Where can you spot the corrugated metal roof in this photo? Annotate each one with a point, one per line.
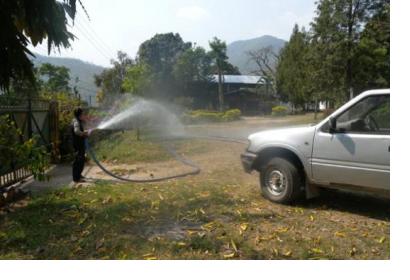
(239, 79)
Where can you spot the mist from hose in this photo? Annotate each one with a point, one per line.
(137, 112)
(133, 113)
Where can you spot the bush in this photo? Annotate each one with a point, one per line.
(203, 116)
(66, 103)
(16, 154)
(279, 111)
(232, 115)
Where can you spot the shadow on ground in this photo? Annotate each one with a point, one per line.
(360, 204)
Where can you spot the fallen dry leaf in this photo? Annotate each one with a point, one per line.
(244, 226)
(282, 229)
(204, 194)
(234, 246)
(181, 244)
(126, 220)
(276, 251)
(99, 244)
(288, 253)
(209, 226)
(317, 250)
(108, 199)
(229, 256)
(340, 234)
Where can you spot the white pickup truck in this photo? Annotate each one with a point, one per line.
(350, 149)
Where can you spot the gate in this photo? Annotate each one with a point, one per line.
(33, 117)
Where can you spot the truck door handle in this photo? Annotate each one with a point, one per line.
(389, 149)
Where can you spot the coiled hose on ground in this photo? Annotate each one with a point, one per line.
(164, 142)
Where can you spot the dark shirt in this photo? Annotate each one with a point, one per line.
(77, 131)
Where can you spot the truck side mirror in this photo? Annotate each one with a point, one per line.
(332, 124)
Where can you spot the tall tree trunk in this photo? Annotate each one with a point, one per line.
(220, 91)
(349, 70)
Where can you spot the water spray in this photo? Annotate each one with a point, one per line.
(143, 109)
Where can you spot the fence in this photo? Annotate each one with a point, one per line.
(34, 118)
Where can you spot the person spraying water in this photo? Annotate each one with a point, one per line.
(79, 138)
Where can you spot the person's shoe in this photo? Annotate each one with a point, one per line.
(80, 181)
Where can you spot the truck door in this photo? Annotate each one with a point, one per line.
(357, 152)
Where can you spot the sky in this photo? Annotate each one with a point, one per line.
(125, 24)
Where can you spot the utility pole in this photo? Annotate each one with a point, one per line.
(29, 115)
(220, 90)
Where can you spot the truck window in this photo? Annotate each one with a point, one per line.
(371, 115)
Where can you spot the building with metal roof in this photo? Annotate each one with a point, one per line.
(239, 79)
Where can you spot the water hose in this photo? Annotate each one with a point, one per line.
(195, 168)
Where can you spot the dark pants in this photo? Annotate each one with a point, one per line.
(78, 164)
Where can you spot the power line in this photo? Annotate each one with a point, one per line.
(92, 43)
(86, 23)
(92, 37)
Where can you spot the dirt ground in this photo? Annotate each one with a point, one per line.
(217, 214)
(357, 223)
(219, 155)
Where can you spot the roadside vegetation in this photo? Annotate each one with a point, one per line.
(279, 111)
(205, 116)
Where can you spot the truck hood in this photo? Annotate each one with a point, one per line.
(298, 138)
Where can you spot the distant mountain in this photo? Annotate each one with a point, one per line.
(237, 51)
(78, 68)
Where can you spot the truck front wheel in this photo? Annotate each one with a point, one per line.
(280, 181)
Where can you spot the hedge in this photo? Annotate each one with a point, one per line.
(203, 116)
(279, 111)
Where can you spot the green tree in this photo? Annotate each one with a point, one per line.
(137, 79)
(293, 69)
(30, 21)
(160, 54)
(218, 53)
(110, 81)
(373, 53)
(54, 78)
(227, 69)
(336, 33)
(192, 66)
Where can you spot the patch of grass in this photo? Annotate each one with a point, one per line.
(124, 147)
(218, 214)
(181, 220)
(298, 119)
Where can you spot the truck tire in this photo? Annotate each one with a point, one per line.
(280, 181)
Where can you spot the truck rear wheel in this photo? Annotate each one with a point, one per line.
(280, 181)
